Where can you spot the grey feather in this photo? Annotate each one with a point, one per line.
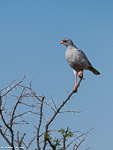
(77, 58)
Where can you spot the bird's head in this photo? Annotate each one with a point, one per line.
(67, 42)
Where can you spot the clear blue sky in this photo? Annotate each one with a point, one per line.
(30, 35)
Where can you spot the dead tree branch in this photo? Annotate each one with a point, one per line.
(81, 135)
(58, 110)
(34, 105)
(39, 125)
(16, 85)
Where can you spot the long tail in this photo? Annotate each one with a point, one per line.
(94, 70)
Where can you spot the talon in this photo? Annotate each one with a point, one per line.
(80, 74)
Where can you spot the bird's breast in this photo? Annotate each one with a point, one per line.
(72, 58)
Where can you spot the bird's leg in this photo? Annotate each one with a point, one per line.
(80, 74)
(75, 87)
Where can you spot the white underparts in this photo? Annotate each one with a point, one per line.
(74, 71)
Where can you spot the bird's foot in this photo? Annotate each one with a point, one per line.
(80, 74)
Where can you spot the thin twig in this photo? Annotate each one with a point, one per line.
(53, 102)
(83, 134)
(70, 111)
(13, 87)
(30, 142)
(24, 113)
(7, 86)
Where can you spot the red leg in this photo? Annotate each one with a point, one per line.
(75, 87)
(80, 74)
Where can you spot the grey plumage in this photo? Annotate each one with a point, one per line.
(77, 58)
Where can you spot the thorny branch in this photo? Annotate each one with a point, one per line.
(26, 92)
(58, 110)
(8, 125)
(16, 85)
(81, 135)
(10, 129)
(39, 125)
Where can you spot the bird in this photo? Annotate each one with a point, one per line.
(77, 60)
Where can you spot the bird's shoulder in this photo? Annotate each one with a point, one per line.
(80, 52)
(83, 57)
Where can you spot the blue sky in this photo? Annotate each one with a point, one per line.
(30, 35)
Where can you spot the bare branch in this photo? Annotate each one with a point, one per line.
(10, 129)
(70, 111)
(20, 141)
(53, 102)
(43, 101)
(30, 142)
(34, 103)
(7, 86)
(15, 107)
(37, 97)
(5, 138)
(83, 134)
(58, 110)
(13, 87)
(40, 121)
(24, 113)
(77, 146)
(32, 106)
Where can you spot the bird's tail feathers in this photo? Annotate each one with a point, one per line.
(94, 70)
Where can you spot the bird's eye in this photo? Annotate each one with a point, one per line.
(64, 41)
